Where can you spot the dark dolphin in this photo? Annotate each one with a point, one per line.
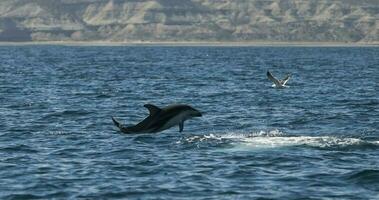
(161, 119)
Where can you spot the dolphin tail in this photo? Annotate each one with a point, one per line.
(117, 123)
(120, 126)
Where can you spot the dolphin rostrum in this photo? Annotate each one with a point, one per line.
(161, 119)
(278, 83)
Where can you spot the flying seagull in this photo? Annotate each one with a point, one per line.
(278, 83)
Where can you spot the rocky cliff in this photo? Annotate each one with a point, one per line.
(190, 20)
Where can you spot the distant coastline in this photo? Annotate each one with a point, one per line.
(188, 43)
(191, 22)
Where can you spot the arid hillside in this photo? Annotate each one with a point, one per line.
(190, 20)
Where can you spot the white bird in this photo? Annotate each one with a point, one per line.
(278, 83)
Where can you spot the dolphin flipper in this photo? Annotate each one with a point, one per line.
(181, 126)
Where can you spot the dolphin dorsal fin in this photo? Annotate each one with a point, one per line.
(152, 109)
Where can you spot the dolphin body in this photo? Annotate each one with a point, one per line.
(161, 119)
(278, 83)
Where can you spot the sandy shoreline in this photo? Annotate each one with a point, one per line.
(231, 44)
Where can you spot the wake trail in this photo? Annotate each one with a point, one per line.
(277, 139)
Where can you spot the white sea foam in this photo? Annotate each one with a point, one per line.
(324, 141)
(276, 139)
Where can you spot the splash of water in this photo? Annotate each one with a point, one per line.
(277, 139)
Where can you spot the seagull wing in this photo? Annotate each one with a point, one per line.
(273, 79)
(288, 77)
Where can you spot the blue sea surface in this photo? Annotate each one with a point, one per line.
(317, 139)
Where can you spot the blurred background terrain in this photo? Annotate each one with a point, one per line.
(190, 20)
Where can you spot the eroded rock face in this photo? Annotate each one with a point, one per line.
(190, 20)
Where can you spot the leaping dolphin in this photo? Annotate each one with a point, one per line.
(278, 83)
(161, 119)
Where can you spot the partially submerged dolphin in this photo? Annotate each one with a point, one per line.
(278, 83)
(161, 119)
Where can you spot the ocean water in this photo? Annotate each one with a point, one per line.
(317, 139)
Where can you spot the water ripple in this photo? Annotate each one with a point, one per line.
(317, 139)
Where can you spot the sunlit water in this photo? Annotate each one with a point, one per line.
(316, 139)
